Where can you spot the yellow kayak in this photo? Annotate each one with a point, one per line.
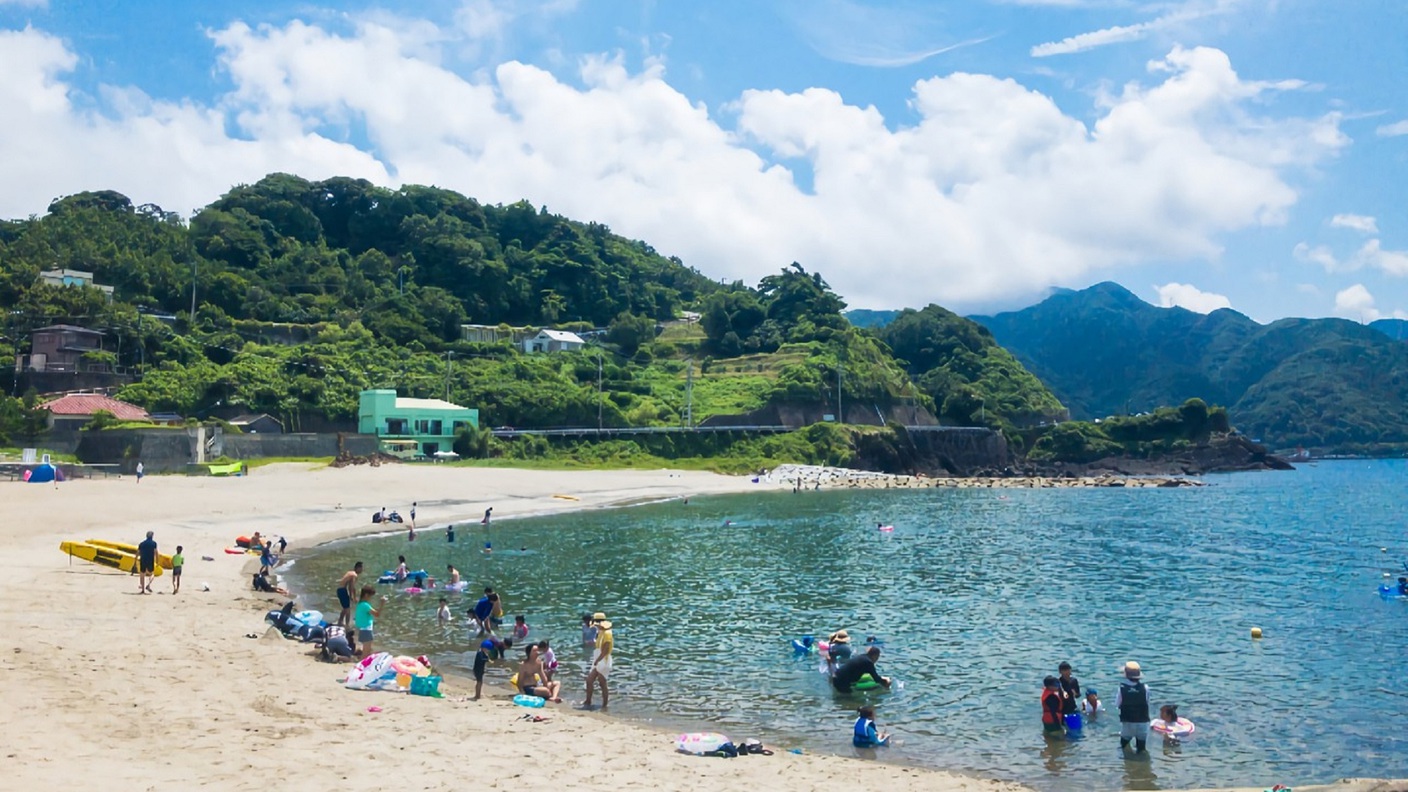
(162, 559)
(105, 556)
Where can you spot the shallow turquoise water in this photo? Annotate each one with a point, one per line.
(977, 595)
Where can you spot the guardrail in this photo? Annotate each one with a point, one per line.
(648, 430)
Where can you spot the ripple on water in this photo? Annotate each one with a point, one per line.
(978, 595)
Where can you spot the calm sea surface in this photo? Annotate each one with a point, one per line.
(977, 595)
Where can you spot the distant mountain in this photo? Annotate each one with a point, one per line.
(861, 317)
(1397, 329)
(1314, 382)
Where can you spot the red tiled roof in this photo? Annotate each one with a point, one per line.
(89, 403)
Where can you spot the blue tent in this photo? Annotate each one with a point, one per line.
(43, 474)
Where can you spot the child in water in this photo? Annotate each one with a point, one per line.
(865, 734)
(443, 615)
(1091, 706)
(520, 628)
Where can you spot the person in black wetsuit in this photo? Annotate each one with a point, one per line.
(853, 670)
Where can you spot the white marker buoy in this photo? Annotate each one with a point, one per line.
(1256, 632)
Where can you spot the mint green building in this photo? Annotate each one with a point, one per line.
(412, 427)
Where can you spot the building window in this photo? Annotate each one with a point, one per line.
(437, 428)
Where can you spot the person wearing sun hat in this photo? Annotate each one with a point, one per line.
(601, 659)
(1132, 703)
(838, 650)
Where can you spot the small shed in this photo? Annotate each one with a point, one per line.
(263, 423)
(553, 341)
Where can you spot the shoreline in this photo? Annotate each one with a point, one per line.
(171, 677)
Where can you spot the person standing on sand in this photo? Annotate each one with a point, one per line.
(413, 514)
(365, 618)
(345, 588)
(601, 660)
(146, 564)
(177, 561)
(1132, 703)
(141, 471)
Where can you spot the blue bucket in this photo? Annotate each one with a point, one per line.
(1073, 721)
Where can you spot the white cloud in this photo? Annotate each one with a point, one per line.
(1362, 223)
(1185, 295)
(1182, 14)
(1093, 39)
(1394, 262)
(864, 33)
(994, 193)
(1358, 304)
(1396, 129)
(1371, 254)
(1320, 254)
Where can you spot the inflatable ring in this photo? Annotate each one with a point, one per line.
(1177, 730)
(524, 700)
(865, 683)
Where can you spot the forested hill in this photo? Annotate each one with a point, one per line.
(1326, 383)
(289, 296)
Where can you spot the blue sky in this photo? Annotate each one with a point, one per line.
(975, 154)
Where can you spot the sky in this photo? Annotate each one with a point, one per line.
(976, 154)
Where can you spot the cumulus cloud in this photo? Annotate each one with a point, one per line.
(1362, 223)
(994, 193)
(1186, 295)
(1357, 303)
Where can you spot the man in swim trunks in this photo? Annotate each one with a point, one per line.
(346, 587)
(533, 678)
(601, 660)
(146, 564)
(853, 670)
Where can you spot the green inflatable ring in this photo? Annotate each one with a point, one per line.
(865, 683)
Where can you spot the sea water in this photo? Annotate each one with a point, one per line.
(976, 595)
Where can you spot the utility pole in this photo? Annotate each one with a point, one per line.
(840, 410)
(449, 356)
(598, 390)
(689, 395)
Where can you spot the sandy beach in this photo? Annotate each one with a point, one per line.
(109, 689)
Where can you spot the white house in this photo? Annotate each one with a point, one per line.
(553, 341)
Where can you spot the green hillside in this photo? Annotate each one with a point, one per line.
(971, 380)
(1325, 383)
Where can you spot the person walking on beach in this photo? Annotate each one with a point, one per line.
(141, 471)
(345, 588)
(413, 515)
(177, 561)
(601, 660)
(146, 564)
(488, 514)
(1132, 702)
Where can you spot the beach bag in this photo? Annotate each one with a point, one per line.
(425, 686)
